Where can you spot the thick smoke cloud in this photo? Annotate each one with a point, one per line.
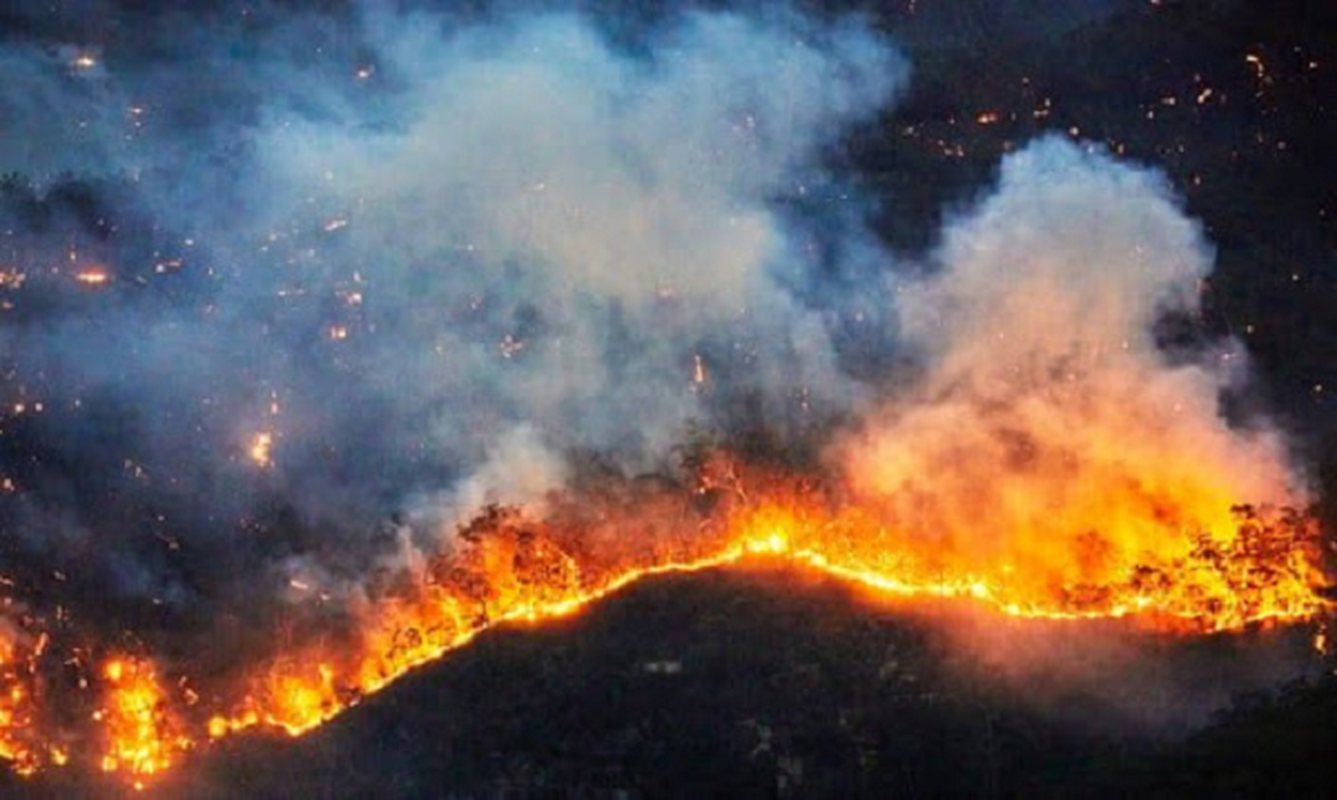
(378, 264)
(602, 220)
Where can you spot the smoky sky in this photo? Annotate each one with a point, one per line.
(426, 255)
(433, 257)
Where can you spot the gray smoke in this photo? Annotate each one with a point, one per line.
(385, 263)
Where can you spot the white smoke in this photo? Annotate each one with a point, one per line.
(558, 226)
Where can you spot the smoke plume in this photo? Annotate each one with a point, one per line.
(1046, 403)
(379, 265)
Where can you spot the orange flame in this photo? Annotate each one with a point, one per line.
(1184, 572)
(516, 570)
(143, 734)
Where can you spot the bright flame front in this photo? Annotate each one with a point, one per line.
(1217, 573)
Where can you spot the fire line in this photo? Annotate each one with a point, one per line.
(510, 569)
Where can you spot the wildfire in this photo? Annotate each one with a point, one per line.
(510, 572)
(1185, 574)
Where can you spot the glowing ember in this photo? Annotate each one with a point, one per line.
(260, 451)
